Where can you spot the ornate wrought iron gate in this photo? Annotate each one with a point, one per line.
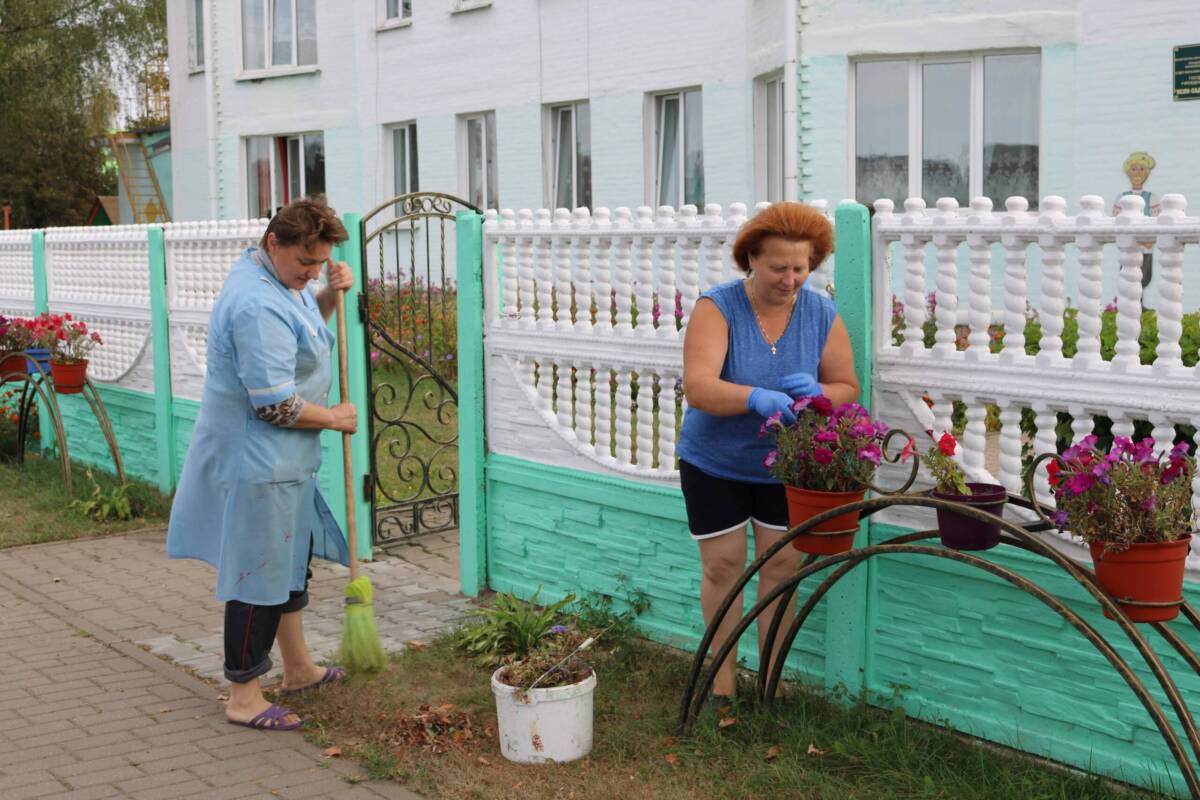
(409, 305)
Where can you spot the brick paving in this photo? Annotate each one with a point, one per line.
(87, 712)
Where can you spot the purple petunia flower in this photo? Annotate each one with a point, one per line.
(826, 436)
(863, 428)
(870, 453)
(800, 403)
(558, 629)
(1059, 517)
(1078, 484)
(1149, 503)
(823, 455)
(770, 459)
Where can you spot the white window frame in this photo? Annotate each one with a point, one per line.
(388, 22)
(464, 160)
(461, 6)
(195, 34)
(268, 69)
(915, 107)
(654, 146)
(391, 130)
(274, 168)
(550, 150)
(763, 86)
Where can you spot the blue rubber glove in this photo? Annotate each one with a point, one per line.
(765, 402)
(801, 384)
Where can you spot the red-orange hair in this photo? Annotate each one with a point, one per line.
(795, 222)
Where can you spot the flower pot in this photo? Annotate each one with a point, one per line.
(543, 725)
(69, 378)
(961, 532)
(38, 357)
(804, 504)
(13, 364)
(1148, 572)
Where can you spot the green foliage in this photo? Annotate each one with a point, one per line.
(115, 504)
(596, 612)
(558, 660)
(948, 475)
(512, 628)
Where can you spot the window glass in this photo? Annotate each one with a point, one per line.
(475, 161)
(306, 29)
(314, 164)
(881, 131)
(400, 161)
(668, 150)
(258, 176)
(946, 131)
(254, 27)
(564, 196)
(413, 173)
(293, 186)
(693, 148)
(1011, 103)
(281, 32)
(197, 32)
(492, 191)
(583, 154)
(393, 9)
(774, 122)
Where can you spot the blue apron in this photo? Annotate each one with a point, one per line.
(247, 501)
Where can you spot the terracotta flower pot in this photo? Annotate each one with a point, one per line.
(1148, 572)
(960, 532)
(69, 378)
(804, 504)
(13, 364)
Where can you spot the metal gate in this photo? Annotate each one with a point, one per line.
(409, 305)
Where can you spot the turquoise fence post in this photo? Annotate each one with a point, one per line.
(848, 622)
(41, 304)
(350, 251)
(472, 519)
(160, 335)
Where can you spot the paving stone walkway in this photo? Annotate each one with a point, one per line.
(87, 712)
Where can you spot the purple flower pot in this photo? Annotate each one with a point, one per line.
(965, 533)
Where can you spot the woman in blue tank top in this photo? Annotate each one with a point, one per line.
(753, 345)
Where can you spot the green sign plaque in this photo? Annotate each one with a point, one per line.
(1186, 64)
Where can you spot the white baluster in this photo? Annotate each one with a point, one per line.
(664, 245)
(508, 266)
(1091, 286)
(643, 270)
(561, 249)
(1082, 423)
(1010, 447)
(914, 279)
(714, 256)
(1014, 281)
(1044, 441)
(666, 418)
(689, 263)
(975, 435)
(1122, 425)
(980, 284)
(602, 271)
(1163, 432)
(545, 383)
(1170, 288)
(736, 218)
(943, 410)
(623, 271)
(543, 270)
(1053, 256)
(945, 247)
(645, 419)
(604, 403)
(564, 395)
(624, 416)
(581, 223)
(1129, 285)
(585, 409)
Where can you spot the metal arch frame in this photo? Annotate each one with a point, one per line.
(34, 387)
(410, 514)
(1019, 537)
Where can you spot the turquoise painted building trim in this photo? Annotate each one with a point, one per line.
(472, 516)
(847, 629)
(41, 304)
(164, 419)
(350, 251)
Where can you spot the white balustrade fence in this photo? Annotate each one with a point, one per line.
(585, 319)
(16, 274)
(1051, 385)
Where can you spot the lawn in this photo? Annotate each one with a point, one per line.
(428, 721)
(38, 509)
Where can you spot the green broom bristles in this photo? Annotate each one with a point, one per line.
(361, 650)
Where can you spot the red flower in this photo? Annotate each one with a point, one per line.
(947, 444)
(1052, 470)
(822, 406)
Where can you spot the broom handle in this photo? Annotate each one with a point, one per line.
(347, 464)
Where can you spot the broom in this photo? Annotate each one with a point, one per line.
(360, 650)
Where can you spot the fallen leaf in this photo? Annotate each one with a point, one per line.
(333, 752)
(484, 761)
(668, 741)
(773, 752)
(164, 710)
(727, 722)
(222, 698)
(413, 644)
(671, 759)
(813, 750)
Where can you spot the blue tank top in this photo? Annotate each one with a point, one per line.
(730, 447)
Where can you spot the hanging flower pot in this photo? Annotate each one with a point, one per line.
(960, 532)
(832, 536)
(1148, 572)
(13, 364)
(69, 378)
(39, 357)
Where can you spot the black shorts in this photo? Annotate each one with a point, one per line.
(716, 506)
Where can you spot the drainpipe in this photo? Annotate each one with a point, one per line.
(210, 83)
(791, 139)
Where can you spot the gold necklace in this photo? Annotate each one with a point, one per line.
(758, 319)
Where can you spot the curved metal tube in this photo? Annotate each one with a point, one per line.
(101, 415)
(35, 387)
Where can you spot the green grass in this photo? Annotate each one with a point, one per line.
(867, 753)
(37, 507)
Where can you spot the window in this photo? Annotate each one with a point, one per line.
(769, 138)
(678, 149)
(404, 159)
(195, 28)
(948, 126)
(397, 9)
(479, 137)
(280, 169)
(570, 156)
(278, 33)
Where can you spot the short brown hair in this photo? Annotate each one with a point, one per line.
(795, 222)
(304, 221)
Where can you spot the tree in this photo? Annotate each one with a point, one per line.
(58, 60)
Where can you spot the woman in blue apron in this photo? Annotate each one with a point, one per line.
(248, 501)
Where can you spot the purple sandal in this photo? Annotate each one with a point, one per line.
(332, 675)
(271, 720)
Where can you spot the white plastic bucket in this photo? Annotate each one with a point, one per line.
(542, 725)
